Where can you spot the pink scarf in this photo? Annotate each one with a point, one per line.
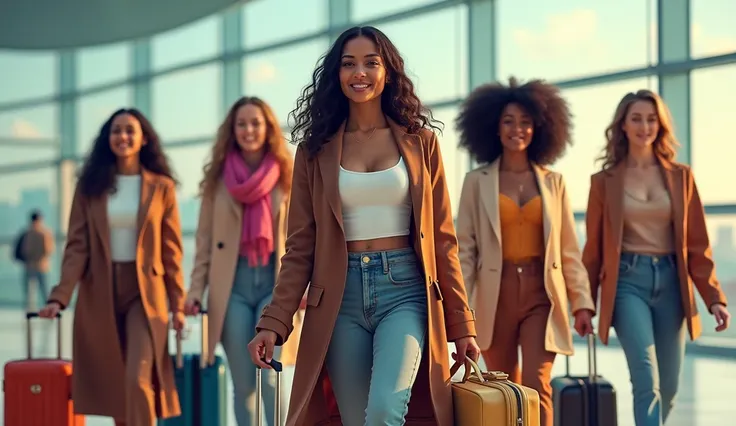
(253, 190)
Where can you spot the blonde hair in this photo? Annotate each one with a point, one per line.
(617, 146)
(275, 143)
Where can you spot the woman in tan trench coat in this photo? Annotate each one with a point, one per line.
(124, 248)
(237, 289)
(370, 226)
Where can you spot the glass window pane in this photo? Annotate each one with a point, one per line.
(187, 261)
(188, 162)
(436, 76)
(592, 108)
(712, 31)
(713, 101)
(188, 43)
(30, 153)
(11, 292)
(34, 124)
(365, 10)
(565, 39)
(27, 75)
(456, 161)
(103, 64)
(22, 192)
(278, 76)
(93, 110)
(293, 18)
(186, 104)
(721, 231)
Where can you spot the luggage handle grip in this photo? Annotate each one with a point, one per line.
(29, 333)
(278, 367)
(592, 359)
(203, 358)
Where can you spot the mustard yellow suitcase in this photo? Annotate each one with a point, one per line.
(490, 399)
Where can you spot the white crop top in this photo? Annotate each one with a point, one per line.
(375, 204)
(122, 215)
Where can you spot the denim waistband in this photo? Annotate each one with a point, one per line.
(379, 258)
(649, 259)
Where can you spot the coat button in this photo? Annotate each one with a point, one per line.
(220, 245)
(554, 265)
(421, 235)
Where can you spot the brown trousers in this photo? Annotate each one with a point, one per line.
(137, 345)
(521, 320)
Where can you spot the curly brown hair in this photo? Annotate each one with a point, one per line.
(323, 107)
(617, 146)
(480, 115)
(225, 142)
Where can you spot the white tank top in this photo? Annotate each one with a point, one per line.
(375, 204)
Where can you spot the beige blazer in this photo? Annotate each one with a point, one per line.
(479, 237)
(216, 257)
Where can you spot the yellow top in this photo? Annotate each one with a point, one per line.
(522, 229)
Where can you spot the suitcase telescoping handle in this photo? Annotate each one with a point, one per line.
(592, 360)
(29, 334)
(278, 367)
(205, 338)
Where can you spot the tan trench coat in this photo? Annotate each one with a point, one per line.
(316, 252)
(217, 243)
(98, 383)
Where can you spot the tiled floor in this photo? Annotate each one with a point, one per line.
(703, 400)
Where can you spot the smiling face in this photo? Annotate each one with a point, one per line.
(641, 124)
(362, 71)
(516, 128)
(250, 128)
(126, 136)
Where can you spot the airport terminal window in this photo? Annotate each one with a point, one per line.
(103, 64)
(365, 10)
(188, 43)
(93, 110)
(22, 192)
(566, 39)
(187, 104)
(188, 162)
(32, 124)
(592, 108)
(27, 75)
(293, 18)
(11, 155)
(278, 76)
(713, 101)
(11, 275)
(721, 229)
(437, 61)
(456, 161)
(711, 30)
(190, 246)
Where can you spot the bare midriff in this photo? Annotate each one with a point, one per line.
(379, 244)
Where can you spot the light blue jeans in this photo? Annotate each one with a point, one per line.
(650, 324)
(379, 337)
(252, 290)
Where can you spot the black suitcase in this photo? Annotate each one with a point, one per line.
(584, 400)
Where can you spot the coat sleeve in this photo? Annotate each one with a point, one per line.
(576, 276)
(459, 318)
(593, 249)
(75, 259)
(203, 250)
(298, 261)
(171, 251)
(467, 216)
(700, 263)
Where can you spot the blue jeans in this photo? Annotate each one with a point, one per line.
(379, 337)
(650, 324)
(252, 290)
(41, 289)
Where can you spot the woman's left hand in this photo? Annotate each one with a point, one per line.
(179, 321)
(466, 346)
(584, 322)
(722, 316)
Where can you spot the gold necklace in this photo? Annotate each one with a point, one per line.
(369, 137)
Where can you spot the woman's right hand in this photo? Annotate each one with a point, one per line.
(50, 310)
(191, 308)
(261, 348)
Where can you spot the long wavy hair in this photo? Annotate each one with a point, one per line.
(226, 142)
(323, 107)
(617, 145)
(98, 174)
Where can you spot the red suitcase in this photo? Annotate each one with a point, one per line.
(38, 391)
